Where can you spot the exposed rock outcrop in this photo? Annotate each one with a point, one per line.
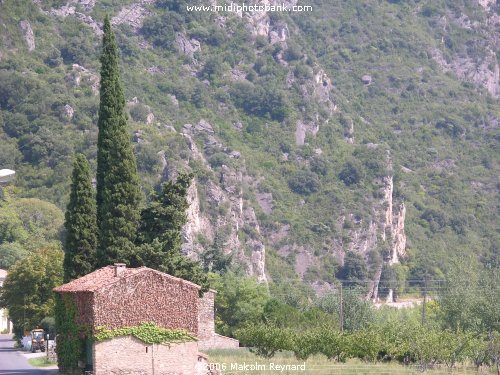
(187, 46)
(29, 37)
(227, 212)
(78, 72)
(259, 23)
(366, 79)
(476, 72)
(399, 236)
(386, 228)
(486, 4)
(349, 131)
(196, 223)
(132, 15)
(481, 66)
(265, 201)
(70, 10)
(279, 33)
(67, 112)
(87, 5)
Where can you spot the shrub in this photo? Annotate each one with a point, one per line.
(351, 173)
(304, 182)
(319, 166)
(354, 267)
(139, 112)
(266, 340)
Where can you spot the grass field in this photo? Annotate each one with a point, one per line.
(317, 365)
(40, 362)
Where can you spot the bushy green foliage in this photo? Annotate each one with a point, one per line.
(304, 182)
(159, 240)
(30, 222)
(266, 340)
(26, 225)
(71, 336)
(354, 268)
(239, 302)
(265, 101)
(404, 342)
(27, 291)
(147, 332)
(358, 313)
(351, 173)
(139, 112)
(468, 300)
(214, 258)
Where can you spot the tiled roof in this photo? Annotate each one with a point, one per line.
(106, 276)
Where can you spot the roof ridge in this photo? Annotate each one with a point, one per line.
(101, 278)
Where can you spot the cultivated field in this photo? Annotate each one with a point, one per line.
(317, 365)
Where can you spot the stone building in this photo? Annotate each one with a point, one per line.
(207, 338)
(5, 323)
(117, 296)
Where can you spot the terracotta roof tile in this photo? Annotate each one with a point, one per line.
(106, 276)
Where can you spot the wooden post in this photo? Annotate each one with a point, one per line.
(341, 312)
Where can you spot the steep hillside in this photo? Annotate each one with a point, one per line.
(360, 127)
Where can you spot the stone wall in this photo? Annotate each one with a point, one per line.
(115, 357)
(207, 338)
(206, 323)
(148, 296)
(219, 342)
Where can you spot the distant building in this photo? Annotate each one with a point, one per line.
(5, 323)
(117, 296)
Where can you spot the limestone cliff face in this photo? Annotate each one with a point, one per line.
(399, 236)
(217, 208)
(196, 224)
(386, 229)
(482, 67)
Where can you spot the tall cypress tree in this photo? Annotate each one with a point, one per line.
(118, 192)
(80, 223)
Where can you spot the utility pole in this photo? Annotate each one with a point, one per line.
(24, 314)
(341, 310)
(425, 300)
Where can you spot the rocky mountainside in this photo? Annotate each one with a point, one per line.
(360, 127)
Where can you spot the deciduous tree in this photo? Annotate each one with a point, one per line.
(27, 291)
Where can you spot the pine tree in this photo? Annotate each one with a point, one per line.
(80, 223)
(159, 240)
(118, 191)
